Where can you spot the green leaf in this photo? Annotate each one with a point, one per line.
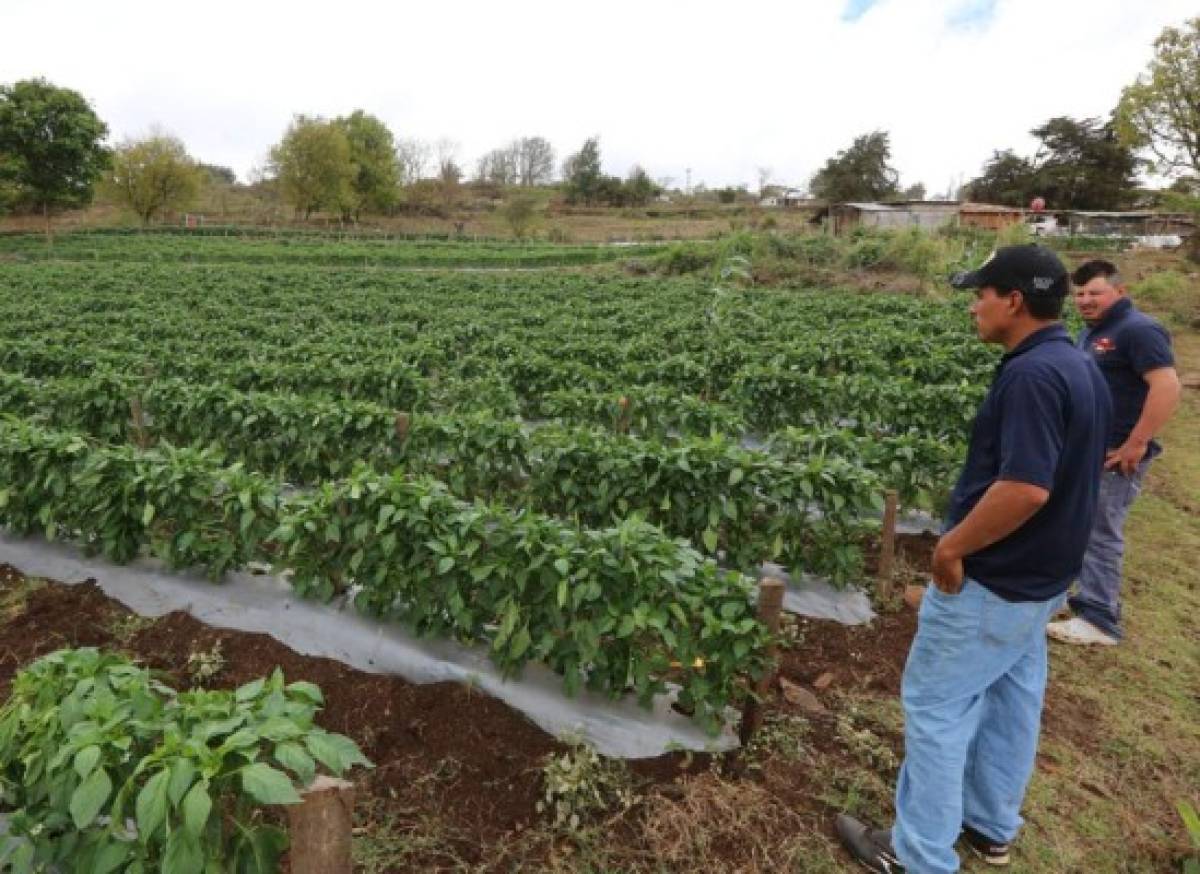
(183, 854)
(293, 757)
(736, 475)
(151, 805)
(335, 752)
(148, 514)
(445, 564)
(710, 539)
(250, 690)
(562, 566)
(520, 643)
(89, 797)
(86, 759)
(196, 808)
(111, 856)
(183, 771)
(266, 785)
(308, 691)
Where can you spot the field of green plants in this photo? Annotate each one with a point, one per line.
(583, 469)
(256, 246)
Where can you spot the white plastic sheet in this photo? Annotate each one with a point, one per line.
(266, 604)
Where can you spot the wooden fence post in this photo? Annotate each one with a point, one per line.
(139, 423)
(321, 828)
(770, 605)
(403, 421)
(887, 545)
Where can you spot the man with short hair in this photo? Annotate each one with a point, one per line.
(1134, 353)
(1014, 537)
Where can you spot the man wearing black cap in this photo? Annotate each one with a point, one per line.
(1013, 540)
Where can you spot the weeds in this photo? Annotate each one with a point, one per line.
(204, 665)
(580, 784)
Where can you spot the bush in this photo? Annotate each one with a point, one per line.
(1173, 293)
(684, 258)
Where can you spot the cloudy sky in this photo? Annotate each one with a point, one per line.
(720, 88)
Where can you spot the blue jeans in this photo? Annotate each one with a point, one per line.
(1099, 597)
(972, 694)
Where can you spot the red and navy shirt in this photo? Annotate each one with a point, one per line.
(1043, 422)
(1126, 344)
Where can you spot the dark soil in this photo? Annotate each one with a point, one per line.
(442, 751)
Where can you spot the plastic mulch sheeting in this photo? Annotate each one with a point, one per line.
(266, 604)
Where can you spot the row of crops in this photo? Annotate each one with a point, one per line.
(585, 470)
(311, 250)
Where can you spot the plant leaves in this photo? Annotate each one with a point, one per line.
(88, 798)
(266, 785)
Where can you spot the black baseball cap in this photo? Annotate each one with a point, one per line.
(1031, 269)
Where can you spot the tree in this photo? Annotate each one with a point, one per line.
(1079, 164)
(764, 179)
(217, 173)
(51, 146)
(916, 191)
(581, 172)
(861, 172)
(450, 174)
(1007, 178)
(153, 174)
(413, 157)
(535, 161)
(639, 187)
(520, 212)
(373, 153)
(1160, 111)
(499, 166)
(313, 167)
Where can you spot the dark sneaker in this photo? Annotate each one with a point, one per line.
(870, 846)
(992, 852)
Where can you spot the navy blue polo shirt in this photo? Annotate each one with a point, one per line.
(1044, 421)
(1126, 344)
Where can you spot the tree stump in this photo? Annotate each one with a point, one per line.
(321, 828)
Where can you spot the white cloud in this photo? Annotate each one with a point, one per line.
(716, 87)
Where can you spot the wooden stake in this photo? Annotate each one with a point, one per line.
(770, 606)
(321, 827)
(887, 544)
(402, 424)
(139, 423)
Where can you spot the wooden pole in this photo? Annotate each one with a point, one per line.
(887, 545)
(770, 605)
(139, 423)
(403, 421)
(321, 827)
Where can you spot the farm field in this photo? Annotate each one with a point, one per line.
(574, 467)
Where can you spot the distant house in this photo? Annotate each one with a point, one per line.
(989, 216)
(925, 214)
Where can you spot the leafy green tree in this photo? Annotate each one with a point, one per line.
(373, 152)
(218, 174)
(640, 189)
(520, 212)
(1082, 165)
(154, 174)
(313, 166)
(1007, 178)
(1079, 164)
(861, 172)
(51, 146)
(582, 174)
(1160, 112)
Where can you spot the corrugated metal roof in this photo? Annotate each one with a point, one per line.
(870, 207)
